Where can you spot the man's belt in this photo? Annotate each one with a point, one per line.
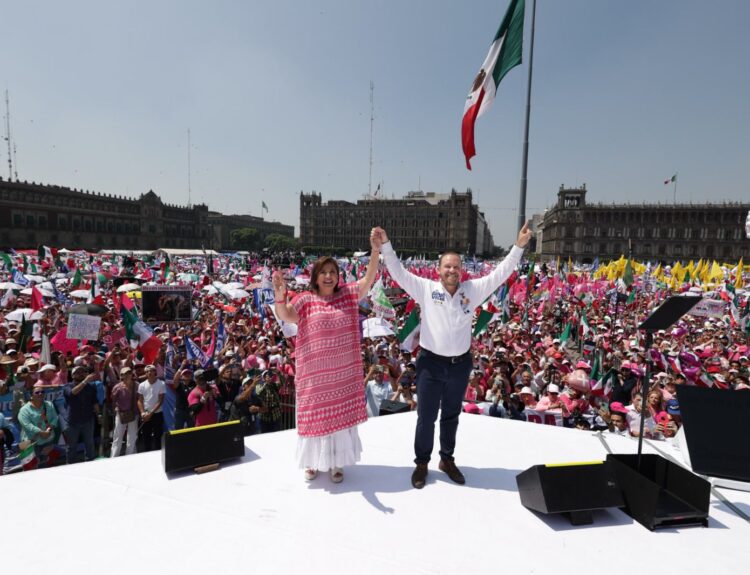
(446, 358)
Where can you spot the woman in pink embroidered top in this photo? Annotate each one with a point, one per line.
(330, 401)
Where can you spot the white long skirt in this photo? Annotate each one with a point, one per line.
(327, 451)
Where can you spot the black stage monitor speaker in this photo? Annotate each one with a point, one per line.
(572, 488)
(717, 431)
(199, 446)
(661, 493)
(387, 407)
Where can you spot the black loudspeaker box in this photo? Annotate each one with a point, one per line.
(661, 493)
(575, 489)
(199, 446)
(387, 407)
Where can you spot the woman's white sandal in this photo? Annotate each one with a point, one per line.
(337, 474)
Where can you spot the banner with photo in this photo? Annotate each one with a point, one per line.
(162, 304)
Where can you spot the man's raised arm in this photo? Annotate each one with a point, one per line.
(409, 282)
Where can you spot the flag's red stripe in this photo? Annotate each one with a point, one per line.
(467, 129)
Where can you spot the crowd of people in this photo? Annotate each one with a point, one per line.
(558, 343)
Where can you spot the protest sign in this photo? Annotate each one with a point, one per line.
(82, 326)
(709, 308)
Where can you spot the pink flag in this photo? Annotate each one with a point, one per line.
(126, 301)
(62, 344)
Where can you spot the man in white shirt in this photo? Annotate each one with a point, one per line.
(443, 367)
(376, 390)
(150, 399)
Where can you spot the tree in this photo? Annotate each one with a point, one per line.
(247, 239)
(277, 242)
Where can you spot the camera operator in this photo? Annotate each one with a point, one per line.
(202, 399)
(624, 384)
(228, 386)
(247, 406)
(268, 391)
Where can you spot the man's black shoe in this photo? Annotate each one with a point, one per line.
(453, 472)
(419, 476)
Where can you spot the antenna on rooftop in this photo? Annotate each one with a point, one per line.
(372, 122)
(7, 137)
(188, 166)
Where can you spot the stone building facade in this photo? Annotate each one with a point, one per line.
(34, 214)
(419, 222)
(653, 232)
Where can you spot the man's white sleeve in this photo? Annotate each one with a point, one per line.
(489, 283)
(410, 283)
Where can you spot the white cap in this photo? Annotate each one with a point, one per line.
(527, 389)
(553, 388)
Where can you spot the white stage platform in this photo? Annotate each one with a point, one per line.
(259, 515)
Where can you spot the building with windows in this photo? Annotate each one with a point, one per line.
(654, 232)
(34, 214)
(420, 222)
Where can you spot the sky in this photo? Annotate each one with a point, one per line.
(276, 96)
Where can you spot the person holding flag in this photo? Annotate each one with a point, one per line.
(40, 426)
(330, 402)
(445, 362)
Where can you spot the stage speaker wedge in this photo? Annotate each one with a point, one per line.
(661, 493)
(388, 407)
(200, 446)
(574, 489)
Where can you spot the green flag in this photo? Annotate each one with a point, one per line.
(595, 368)
(631, 297)
(565, 336)
(627, 275)
(77, 279)
(482, 322)
(409, 333)
(7, 261)
(27, 455)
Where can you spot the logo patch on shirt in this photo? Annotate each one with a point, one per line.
(464, 302)
(438, 297)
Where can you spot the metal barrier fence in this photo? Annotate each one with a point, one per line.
(288, 411)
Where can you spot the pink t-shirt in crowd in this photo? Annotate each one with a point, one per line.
(207, 414)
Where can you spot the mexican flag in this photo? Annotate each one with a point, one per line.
(96, 294)
(585, 327)
(603, 387)
(7, 261)
(504, 55)
(670, 180)
(565, 336)
(8, 298)
(27, 457)
(137, 331)
(381, 305)
(77, 279)
(487, 315)
(165, 265)
(408, 336)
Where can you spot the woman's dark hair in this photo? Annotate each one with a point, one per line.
(318, 267)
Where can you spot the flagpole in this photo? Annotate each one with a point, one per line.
(674, 193)
(525, 160)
